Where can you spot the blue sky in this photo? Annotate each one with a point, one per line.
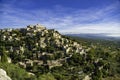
(66, 16)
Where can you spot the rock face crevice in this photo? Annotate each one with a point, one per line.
(3, 75)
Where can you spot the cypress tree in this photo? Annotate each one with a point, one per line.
(3, 55)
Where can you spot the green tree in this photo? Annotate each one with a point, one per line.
(3, 55)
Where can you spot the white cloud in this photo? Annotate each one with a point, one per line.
(113, 35)
(95, 28)
(91, 20)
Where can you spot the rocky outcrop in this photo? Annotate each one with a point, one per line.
(3, 75)
(87, 77)
(37, 45)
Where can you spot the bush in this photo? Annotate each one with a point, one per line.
(47, 76)
(15, 72)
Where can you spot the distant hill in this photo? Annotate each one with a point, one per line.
(95, 36)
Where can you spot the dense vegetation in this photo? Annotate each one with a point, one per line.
(109, 54)
(51, 60)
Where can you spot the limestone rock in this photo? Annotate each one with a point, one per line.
(3, 75)
(87, 77)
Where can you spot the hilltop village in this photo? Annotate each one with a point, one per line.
(36, 45)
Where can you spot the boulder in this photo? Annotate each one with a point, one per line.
(3, 75)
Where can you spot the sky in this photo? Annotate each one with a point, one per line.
(66, 16)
